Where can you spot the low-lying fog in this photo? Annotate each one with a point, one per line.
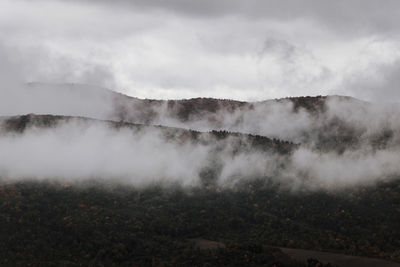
(75, 150)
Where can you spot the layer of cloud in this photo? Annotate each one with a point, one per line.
(79, 150)
(341, 15)
(230, 49)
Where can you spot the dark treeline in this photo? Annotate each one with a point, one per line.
(99, 223)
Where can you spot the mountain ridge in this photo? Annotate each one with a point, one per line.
(20, 124)
(94, 87)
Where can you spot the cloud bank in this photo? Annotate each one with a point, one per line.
(77, 150)
(181, 49)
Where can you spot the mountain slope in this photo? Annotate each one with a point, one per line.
(300, 119)
(136, 183)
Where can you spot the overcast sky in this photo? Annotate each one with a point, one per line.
(247, 50)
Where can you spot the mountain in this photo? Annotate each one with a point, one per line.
(328, 123)
(93, 177)
(80, 98)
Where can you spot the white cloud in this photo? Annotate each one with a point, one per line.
(180, 49)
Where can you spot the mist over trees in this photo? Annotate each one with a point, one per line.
(146, 181)
(199, 133)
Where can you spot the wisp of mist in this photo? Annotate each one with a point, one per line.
(76, 150)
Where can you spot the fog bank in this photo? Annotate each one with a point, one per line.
(79, 150)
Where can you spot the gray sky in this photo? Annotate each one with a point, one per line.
(247, 50)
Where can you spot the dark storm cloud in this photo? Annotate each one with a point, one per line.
(281, 48)
(343, 15)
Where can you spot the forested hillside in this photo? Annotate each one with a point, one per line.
(104, 224)
(179, 196)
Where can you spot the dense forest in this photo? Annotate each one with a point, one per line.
(101, 224)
